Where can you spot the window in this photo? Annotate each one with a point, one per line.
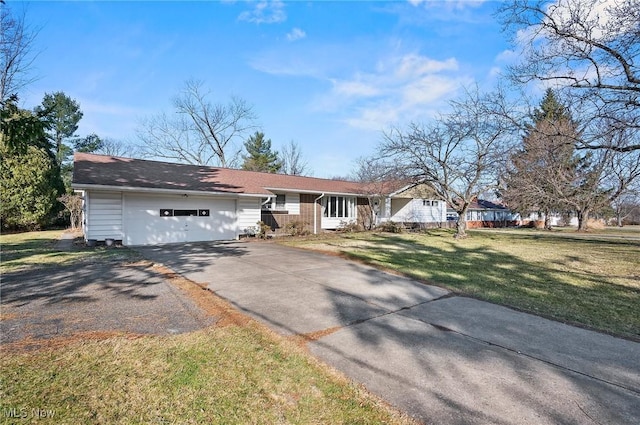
(185, 213)
(339, 207)
(277, 203)
(166, 212)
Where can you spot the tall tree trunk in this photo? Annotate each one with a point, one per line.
(547, 220)
(461, 224)
(583, 218)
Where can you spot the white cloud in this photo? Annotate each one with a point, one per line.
(265, 12)
(296, 34)
(455, 4)
(413, 65)
(358, 87)
(401, 88)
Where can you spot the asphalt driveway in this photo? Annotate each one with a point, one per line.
(442, 359)
(94, 297)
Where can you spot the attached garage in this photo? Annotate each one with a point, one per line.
(153, 219)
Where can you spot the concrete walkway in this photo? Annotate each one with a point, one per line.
(442, 359)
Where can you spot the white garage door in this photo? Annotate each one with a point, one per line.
(150, 219)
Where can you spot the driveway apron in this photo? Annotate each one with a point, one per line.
(440, 358)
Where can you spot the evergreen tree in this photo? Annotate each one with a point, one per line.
(61, 116)
(29, 187)
(29, 174)
(259, 155)
(543, 171)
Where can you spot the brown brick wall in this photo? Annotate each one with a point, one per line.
(364, 213)
(278, 222)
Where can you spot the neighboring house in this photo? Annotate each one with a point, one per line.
(483, 213)
(141, 202)
(413, 205)
(555, 219)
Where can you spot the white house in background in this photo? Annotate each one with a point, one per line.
(414, 204)
(483, 213)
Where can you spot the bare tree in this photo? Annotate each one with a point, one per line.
(73, 204)
(16, 54)
(591, 49)
(202, 133)
(626, 206)
(115, 147)
(376, 177)
(458, 155)
(292, 161)
(216, 126)
(170, 137)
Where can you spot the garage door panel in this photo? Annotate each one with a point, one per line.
(145, 226)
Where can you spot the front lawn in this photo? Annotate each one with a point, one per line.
(37, 249)
(220, 375)
(587, 280)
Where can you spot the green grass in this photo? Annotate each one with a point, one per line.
(226, 375)
(37, 249)
(588, 281)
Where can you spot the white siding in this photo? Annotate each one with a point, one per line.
(414, 211)
(248, 213)
(143, 224)
(103, 213)
(292, 203)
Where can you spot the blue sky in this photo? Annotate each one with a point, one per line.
(327, 75)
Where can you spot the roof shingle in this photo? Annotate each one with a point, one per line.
(92, 169)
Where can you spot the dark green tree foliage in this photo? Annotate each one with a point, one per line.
(88, 144)
(29, 187)
(61, 115)
(30, 179)
(259, 155)
(20, 128)
(545, 166)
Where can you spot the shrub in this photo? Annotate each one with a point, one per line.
(263, 229)
(297, 228)
(391, 227)
(595, 224)
(349, 227)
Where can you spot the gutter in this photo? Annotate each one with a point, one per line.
(163, 191)
(315, 214)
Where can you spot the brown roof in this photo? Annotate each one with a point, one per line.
(102, 170)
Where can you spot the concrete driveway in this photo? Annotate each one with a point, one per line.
(442, 359)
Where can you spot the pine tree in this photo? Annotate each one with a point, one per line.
(542, 173)
(259, 155)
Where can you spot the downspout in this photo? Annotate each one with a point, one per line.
(265, 202)
(315, 214)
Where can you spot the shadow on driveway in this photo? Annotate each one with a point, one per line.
(94, 297)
